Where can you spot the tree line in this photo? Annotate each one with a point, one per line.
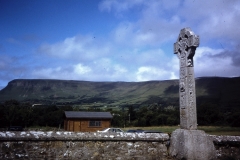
(14, 113)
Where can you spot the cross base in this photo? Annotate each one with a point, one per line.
(191, 144)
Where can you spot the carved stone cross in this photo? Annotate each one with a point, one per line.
(185, 47)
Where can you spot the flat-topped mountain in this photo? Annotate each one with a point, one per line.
(45, 91)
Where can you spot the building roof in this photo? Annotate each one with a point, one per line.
(86, 115)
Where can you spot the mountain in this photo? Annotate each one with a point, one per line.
(67, 91)
(44, 91)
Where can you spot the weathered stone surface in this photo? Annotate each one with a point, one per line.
(187, 142)
(234, 140)
(227, 147)
(192, 144)
(84, 136)
(185, 47)
(79, 145)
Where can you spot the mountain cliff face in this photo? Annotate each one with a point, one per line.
(224, 90)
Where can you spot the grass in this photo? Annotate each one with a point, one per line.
(221, 130)
(212, 130)
(165, 129)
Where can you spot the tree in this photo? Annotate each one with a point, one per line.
(209, 114)
(118, 119)
(11, 112)
(25, 112)
(3, 121)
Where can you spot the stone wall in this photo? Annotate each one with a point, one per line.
(78, 145)
(227, 147)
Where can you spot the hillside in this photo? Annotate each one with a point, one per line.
(222, 90)
(64, 91)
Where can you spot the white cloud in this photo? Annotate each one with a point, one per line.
(173, 67)
(102, 70)
(160, 21)
(211, 62)
(107, 70)
(146, 73)
(215, 19)
(80, 69)
(146, 32)
(118, 6)
(85, 48)
(152, 28)
(52, 73)
(151, 56)
(12, 68)
(124, 5)
(206, 51)
(73, 72)
(133, 50)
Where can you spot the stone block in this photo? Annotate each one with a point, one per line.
(192, 145)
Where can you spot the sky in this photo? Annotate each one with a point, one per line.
(115, 40)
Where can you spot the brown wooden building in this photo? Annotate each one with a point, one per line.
(86, 121)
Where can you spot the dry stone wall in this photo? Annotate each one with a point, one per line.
(77, 145)
(227, 147)
(121, 146)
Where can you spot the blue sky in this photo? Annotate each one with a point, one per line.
(115, 40)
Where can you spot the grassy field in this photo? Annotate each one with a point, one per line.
(212, 130)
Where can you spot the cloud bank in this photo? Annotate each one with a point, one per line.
(140, 46)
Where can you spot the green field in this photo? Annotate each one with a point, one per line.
(212, 130)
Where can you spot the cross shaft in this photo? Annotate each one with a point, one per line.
(185, 47)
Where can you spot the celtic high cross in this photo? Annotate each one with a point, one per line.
(185, 47)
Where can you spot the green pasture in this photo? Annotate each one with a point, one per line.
(212, 130)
